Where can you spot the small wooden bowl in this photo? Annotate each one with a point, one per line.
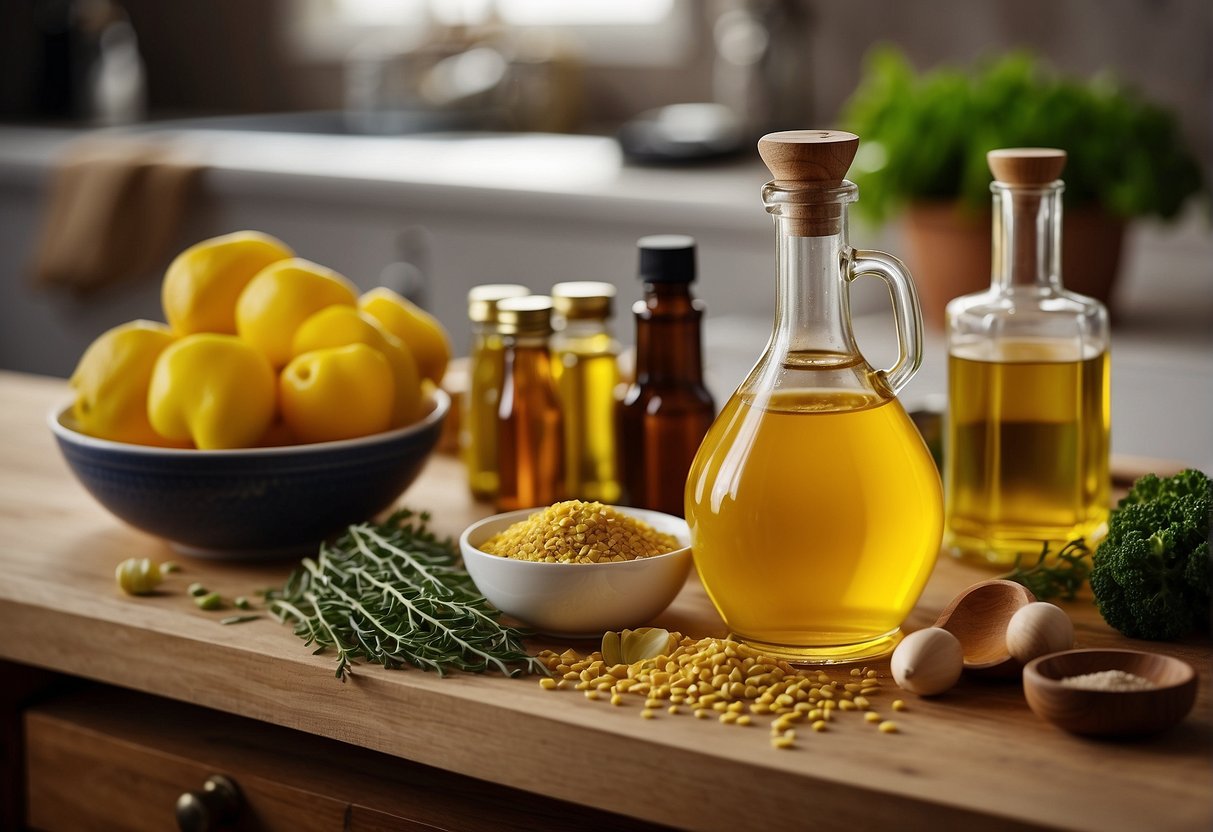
(978, 617)
(1107, 712)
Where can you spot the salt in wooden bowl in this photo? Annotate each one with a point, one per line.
(1110, 712)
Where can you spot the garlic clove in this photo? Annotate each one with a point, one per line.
(928, 662)
(631, 646)
(1037, 629)
(611, 654)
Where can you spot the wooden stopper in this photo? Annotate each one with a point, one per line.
(818, 157)
(810, 160)
(1026, 165)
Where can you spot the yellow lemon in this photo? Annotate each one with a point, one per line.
(339, 326)
(112, 379)
(213, 389)
(419, 330)
(281, 297)
(202, 283)
(337, 393)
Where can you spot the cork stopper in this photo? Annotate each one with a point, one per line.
(809, 160)
(1026, 165)
(809, 157)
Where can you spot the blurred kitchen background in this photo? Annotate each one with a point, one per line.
(434, 145)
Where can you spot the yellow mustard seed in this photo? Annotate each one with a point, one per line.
(782, 741)
(899, 705)
(888, 727)
(648, 713)
(547, 683)
(819, 726)
(593, 532)
(872, 716)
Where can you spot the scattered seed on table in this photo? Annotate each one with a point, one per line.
(888, 727)
(209, 601)
(899, 705)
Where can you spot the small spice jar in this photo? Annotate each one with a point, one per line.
(478, 427)
(530, 427)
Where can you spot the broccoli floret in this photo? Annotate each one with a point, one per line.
(1151, 575)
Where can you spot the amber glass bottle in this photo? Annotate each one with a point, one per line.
(585, 364)
(666, 412)
(478, 427)
(529, 425)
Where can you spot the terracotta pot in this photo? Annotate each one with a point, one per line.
(948, 252)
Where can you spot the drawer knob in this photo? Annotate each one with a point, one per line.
(216, 805)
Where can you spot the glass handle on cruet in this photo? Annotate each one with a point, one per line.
(907, 314)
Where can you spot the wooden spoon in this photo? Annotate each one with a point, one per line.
(978, 618)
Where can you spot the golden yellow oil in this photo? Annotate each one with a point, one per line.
(479, 425)
(587, 373)
(815, 521)
(1026, 459)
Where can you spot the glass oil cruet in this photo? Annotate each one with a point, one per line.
(814, 506)
(1026, 453)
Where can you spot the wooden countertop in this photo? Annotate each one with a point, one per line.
(974, 758)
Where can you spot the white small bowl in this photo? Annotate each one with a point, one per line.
(578, 600)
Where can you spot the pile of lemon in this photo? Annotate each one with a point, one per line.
(261, 348)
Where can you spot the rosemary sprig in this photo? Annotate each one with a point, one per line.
(395, 594)
(1063, 576)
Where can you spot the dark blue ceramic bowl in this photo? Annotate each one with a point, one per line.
(256, 502)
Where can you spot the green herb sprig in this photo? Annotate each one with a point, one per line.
(396, 595)
(1062, 576)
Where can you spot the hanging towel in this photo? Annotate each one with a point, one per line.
(114, 210)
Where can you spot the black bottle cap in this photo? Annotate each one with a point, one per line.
(667, 258)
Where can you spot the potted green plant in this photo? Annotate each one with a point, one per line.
(923, 152)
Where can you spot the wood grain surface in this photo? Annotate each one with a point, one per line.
(973, 758)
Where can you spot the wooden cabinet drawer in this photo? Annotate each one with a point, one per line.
(107, 759)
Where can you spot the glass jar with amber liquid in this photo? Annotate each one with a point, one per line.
(1027, 437)
(486, 367)
(814, 506)
(530, 438)
(585, 364)
(667, 410)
